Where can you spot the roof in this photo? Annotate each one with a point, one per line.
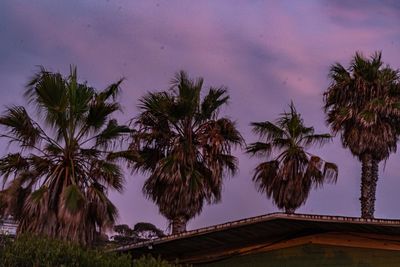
(270, 228)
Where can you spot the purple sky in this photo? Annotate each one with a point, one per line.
(266, 52)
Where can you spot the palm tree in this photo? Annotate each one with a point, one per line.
(57, 183)
(291, 171)
(363, 104)
(185, 148)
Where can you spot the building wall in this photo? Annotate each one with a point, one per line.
(314, 255)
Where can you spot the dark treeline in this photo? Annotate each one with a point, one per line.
(71, 152)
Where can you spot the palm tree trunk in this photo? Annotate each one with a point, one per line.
(369, 176)
(372, 193)
(178, 225)
(289, 210)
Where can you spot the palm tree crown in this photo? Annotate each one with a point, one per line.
(363, 104)
(56, 184)
(290, 175)
(185, 148)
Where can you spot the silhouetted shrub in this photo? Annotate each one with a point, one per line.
(29, 250)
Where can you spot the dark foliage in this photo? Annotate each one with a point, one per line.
(291, 171)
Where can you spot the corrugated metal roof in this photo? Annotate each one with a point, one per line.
(266, 228)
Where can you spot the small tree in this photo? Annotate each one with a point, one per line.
(141, 232)
(292, 171)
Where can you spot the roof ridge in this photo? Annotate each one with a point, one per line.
(261, 218)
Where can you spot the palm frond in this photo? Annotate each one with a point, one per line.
(48, 92)
(21, 128)
(110, 133)
(73, 199)
(130, 156)
(215, 98)
(229, 132)
(12, 164)
(265, 175)
(228, 162)
(109, 173)
(259, 149)
(98, 114)
(111, 91)
(330, 172)
(267, 129)
(316, 139)
(79, 101)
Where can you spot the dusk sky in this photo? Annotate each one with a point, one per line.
(266, 52)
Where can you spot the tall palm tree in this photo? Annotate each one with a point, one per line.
(185, 148)
(57, 183)
(291, 171)
(363, 104)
